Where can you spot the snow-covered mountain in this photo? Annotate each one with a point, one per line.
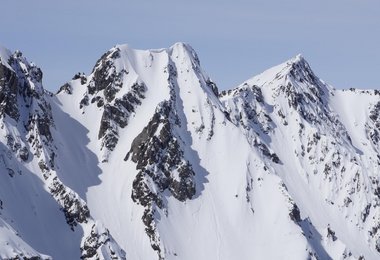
(144, 159)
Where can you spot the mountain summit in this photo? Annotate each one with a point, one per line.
(144, 159)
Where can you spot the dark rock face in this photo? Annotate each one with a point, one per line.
(66, 88)
(13, 145)
(250, 100)
(8, 92)
(102, 89)
(75, 210)
(213, 87)
(19, 86)
(117, 114)
(42, 122)
(97, 239)
(23, 99)
(96, 244)
(81, 76)
(23, 257)
(265, 151)
(372, 130)
(24, 154)
(305, 102)
(105, 76)
(246, 90)
(294, 214)
(248, 110)
(373, 127)
(160, 161)
(331, 234)
(157, 145)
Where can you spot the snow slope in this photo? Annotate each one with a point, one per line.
(38, 212)
(144, 159)
(320, 139)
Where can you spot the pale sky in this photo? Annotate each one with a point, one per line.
(235, 40)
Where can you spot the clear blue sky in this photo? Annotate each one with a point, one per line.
(234, 39)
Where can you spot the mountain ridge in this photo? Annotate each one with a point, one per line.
(144, 159)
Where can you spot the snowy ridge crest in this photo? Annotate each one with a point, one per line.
(143, 157)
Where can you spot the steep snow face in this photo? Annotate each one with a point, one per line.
(24, 129)
(38, 213)
(327, 149)
(154, 169)
(144, 159)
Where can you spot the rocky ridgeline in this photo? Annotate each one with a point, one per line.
(24, 101)
(294, 103)
(162, 166)
(20, 81)
(247, 109)
(99, 244)
(298, 100)
(22, 256)
(373, 128)
(326, 133)
(103, 85)
(161, 163)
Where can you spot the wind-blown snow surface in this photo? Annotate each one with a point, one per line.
(144, 159)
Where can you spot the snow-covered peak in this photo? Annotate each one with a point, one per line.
(185, 49)
(124, 78)
(322, 141)
(20, 85)
(176, 46)
(296, 61)
(181, 45)
(144, 65)
(298, 58)
(17, 63)
(141, 159)
(295, 69)
(293, 80)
